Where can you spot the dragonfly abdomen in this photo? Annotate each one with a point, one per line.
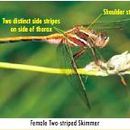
(52, 39)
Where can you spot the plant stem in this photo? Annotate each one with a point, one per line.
(83, 71)
(61, 71)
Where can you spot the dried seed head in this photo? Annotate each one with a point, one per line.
(119, 63)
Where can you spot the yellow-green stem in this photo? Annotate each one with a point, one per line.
(5, 65)
(62, 71)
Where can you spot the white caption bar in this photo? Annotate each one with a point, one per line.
(64, 123)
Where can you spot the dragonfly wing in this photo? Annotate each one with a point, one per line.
(76, 80)
(105, 25)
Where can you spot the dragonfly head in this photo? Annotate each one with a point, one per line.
(102, 40)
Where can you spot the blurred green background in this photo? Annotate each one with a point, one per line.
(31, 94)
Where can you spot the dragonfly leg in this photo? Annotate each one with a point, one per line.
(95, 56)
(79, 53)
(82, 51)
(123, 81)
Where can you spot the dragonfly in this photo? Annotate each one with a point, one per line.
(79, 36)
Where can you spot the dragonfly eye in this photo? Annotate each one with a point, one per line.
(106, 37)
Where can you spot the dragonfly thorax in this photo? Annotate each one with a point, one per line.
(81, 36)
